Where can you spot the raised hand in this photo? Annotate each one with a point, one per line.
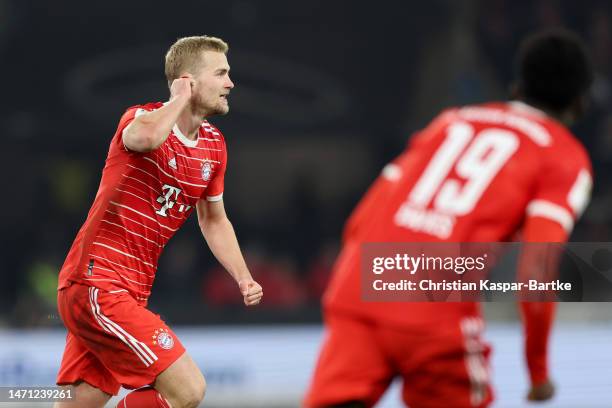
(182, 87)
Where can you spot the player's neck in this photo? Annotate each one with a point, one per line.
(564, 119)
(189, 124)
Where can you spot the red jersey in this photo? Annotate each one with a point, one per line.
(143, 199)
(473, 175)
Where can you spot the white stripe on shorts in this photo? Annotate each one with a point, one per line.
(141, 349)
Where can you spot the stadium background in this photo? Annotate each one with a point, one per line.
(326, 93)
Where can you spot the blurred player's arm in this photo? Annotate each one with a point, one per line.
(221, 239)
(560, 199)
(150, 130)
(538, 316)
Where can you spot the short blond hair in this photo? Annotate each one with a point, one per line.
(184, 54)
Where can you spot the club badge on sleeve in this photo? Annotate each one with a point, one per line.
(206, 170)
(163, 338)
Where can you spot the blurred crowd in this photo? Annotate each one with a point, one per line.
(290, 239)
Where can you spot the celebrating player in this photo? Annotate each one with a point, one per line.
(474, 174)
(164, 161)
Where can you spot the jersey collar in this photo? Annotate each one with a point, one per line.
(184, 139)
(523, 107)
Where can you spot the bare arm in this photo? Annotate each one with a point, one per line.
(148, 131)
(221, 239)
(538, 317)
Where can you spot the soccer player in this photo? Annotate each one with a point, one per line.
(474, 174)
(165, 161)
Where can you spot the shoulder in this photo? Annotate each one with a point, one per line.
(211, 133)
(147, 107)
(567, 146)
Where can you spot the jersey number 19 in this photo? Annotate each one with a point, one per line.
(477, 164)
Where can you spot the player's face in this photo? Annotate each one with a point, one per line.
(212, 85)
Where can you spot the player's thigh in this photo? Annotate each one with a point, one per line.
(182, 382)
(81, 367)
(450, 367)
(85, 396)
(134, 344)
(351, 367)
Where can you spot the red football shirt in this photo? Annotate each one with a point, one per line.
(143, 199)
(473, 175)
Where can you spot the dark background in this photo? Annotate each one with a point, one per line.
(326, 93)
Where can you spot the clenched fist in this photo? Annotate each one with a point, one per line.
(181, 87)
(541, 392)
(251, 291)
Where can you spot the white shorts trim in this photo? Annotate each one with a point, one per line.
(141, 349)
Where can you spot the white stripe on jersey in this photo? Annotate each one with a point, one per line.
(208, 148)
(123, 253)
(125, 184)
(178, 172)
(145, 172)
(147, 201)
(173, 177)
(122, 266)
(157, 193)
(137, 196)
(139, 223)
(106, 280)
(133, 233)
(111, 270)
(161, 157)
(144, 215)
(123, 244)
(552, 211)
(192, 158)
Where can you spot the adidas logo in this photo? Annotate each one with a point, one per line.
(172, 163)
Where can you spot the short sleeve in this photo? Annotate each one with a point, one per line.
(214, 192)
(124, 123)
(563, 190)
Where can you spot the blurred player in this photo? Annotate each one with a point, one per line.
(475, 174)
(164, 161)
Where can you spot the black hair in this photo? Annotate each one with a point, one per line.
(554, 69)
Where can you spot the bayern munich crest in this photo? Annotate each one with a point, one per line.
(206, 170)
(163, 339)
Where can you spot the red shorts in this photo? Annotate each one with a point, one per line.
(112, 341)
(445, 366)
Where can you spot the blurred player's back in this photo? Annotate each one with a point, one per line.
(472, 175)
(475, 174)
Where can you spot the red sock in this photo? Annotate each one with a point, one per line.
(144, 398)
